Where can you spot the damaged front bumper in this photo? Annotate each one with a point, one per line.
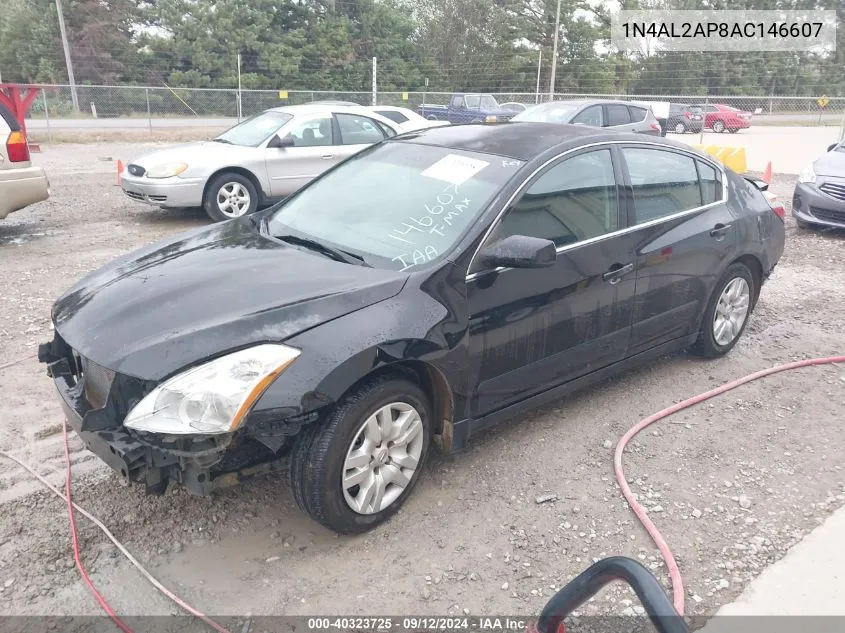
(200, 463)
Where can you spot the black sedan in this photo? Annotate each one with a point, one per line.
(819, 198)
(422, 290)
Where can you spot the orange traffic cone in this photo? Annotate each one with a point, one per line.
(767, 175)
(119, 171)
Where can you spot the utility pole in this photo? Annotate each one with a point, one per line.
(73, 95)
(554, 55)
(240, 101)
(375, 84)
(539, 66)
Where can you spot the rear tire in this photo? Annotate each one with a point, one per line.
(230, 195)
(718, 126)
(724, 320)
(320, 460)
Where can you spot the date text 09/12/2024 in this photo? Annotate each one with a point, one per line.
(409, 624)
(689, 30)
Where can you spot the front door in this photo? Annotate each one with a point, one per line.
(532, 329)
(686, 237)
(314, 150)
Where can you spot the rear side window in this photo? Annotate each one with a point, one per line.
(618, 115)
(711, 183)
(637, 113)
(664, 182)
(358, 130)
(393, 115)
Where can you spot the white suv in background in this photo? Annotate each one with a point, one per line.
(21, 184)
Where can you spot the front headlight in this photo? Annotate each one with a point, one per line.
(808, 174)
(214, 397)
(166, 170)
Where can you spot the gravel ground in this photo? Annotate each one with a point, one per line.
(732, 483)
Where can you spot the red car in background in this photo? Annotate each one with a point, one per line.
(720, 117)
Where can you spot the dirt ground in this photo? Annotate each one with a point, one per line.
(732, 483)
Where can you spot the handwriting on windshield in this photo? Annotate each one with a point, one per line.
(436, 219)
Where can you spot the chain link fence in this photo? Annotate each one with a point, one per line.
(126, 107)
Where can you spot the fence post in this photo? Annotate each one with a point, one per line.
(842, 126)
(703, 121)
(375, 72)
(149, 114)
(47, 115)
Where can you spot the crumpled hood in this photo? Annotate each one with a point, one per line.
(155, 311)
(831, 164)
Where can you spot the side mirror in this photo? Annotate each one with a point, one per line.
(830, 148)
(520, 251)
(279, 142)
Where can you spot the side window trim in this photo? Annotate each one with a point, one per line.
(616, 147)
(621, 219)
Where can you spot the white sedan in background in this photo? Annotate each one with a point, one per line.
(265, 158)
(407, 119)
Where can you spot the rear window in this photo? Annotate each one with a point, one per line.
(711, 183)
(9, 118)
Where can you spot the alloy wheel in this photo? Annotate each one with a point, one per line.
(731, 311)
(233, 199)
(383, 457)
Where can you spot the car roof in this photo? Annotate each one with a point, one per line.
(522, 140)
(314, 108)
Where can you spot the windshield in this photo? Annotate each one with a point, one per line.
(254, 131)
(482, 102)
(399, 205)
(548, 113)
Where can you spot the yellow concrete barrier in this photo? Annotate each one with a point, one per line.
(731, 157)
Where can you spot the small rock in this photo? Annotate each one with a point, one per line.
(273, 559)
(723, 584)
(697, 598)
(505, 586)
(744, 502)
(9, 583)
(426, 593)
(607, 444)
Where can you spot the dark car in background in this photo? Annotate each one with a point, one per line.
(467, 107)
(819, 197)
(479, 272)
(619, 116)
(684, 118)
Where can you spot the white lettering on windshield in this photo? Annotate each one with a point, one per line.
(417, 257)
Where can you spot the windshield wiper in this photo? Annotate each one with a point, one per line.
(325, 249)
(222, 140)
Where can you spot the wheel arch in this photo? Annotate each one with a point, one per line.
(242, 171)
(756, 267)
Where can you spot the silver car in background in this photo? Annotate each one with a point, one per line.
(262, 159)
(619, 116)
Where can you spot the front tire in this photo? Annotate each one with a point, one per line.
(727, 312)
(353, 470)
(230, 195)
(680, 128)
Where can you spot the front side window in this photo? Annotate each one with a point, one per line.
(254, 131)
(312, 132)
(590, 116)
(457, 101)
(664, 182)
(359, 130)
(399, 205)
(572, 201)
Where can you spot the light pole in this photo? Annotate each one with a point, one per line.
(554, 55)
(69, 63)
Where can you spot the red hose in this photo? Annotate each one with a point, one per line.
(75, 538)
(639, 510)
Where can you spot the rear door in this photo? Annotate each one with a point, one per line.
(314, 150)
(685, 236)
(618, 118)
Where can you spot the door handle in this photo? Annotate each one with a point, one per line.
(719, 230)
(616, 272)
(327, 156)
